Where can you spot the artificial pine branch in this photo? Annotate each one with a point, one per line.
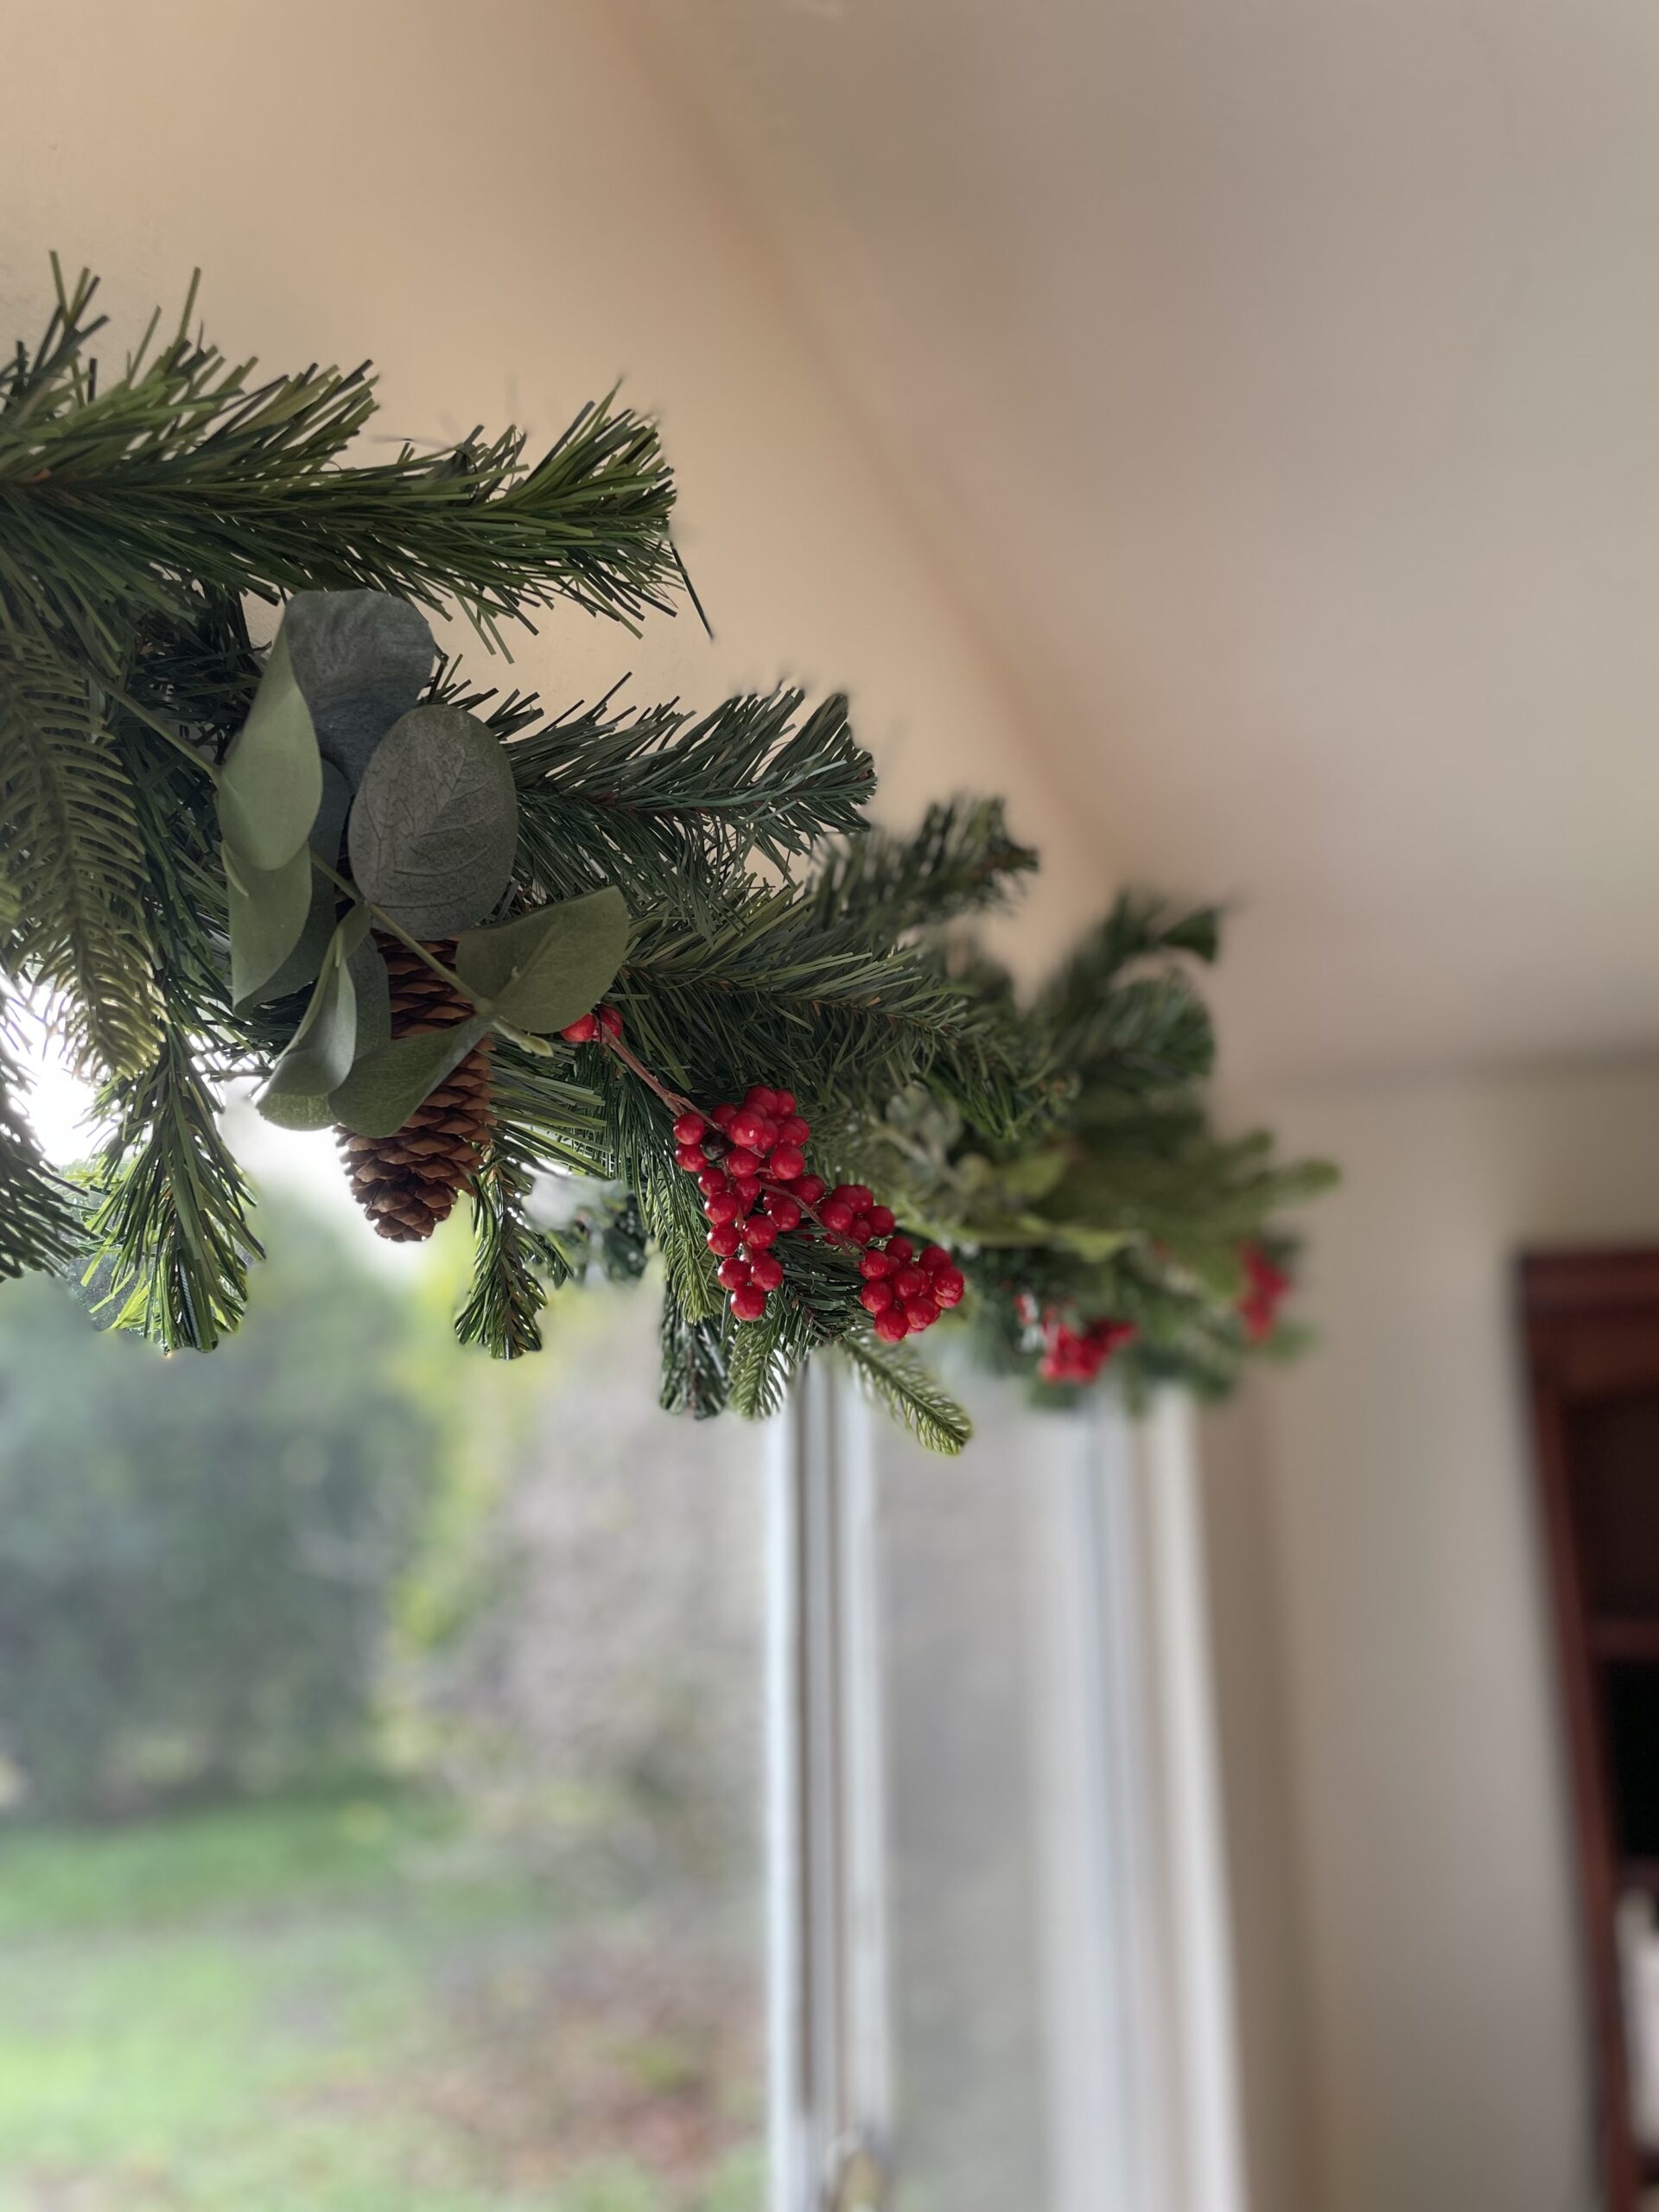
(651, 798)
(41, 1228)
(170, 1218)
(1116, 1026)
(180, 476)
(897, 1381)
(961, 862)
(695, 1358)
(1064, 1144)
(72, 855)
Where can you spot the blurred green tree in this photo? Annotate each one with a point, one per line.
(198, 1558)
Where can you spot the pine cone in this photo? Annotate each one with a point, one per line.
(408, 1182)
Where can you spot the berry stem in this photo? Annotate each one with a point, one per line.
(632, 1061)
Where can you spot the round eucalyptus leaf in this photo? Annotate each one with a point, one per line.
(268, 907)
(387, 1085)
(362, 658)
(270, 784)
(436, 822)
(545, 969)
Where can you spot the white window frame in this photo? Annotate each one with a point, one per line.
(1141, 2067)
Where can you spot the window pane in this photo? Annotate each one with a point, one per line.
(381, 1734)
(962, 1628)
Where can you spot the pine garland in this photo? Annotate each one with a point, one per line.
(206, 854)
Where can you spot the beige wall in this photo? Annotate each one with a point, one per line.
(496, 203)
(1410, 1997)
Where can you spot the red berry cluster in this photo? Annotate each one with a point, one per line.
(1265, 1286)
(751, 1169)
(906, 1290)
(1078, 1355)
(587, 1026)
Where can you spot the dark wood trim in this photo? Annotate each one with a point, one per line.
(1592, 1804)
(1633, 1637)
(1591, 1281)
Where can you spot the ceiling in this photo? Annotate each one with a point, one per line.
(1281, 383)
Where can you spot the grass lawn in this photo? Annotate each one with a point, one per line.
(351, 2006)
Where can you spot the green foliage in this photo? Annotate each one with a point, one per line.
(169, 1217)
(435, 824)
(40, 1217)
(658, 800)
(897, 1381)
(71, 854)
(552, 965)
(714, 877)
(961, 862)
(130, 495)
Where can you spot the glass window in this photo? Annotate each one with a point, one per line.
(380, 1739)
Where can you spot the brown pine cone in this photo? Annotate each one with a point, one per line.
(408, 1182)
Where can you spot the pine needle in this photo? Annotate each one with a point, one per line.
(896, 1381)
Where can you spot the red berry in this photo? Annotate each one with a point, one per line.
(748, 1188)
(921, 1312)
(874, 1266)
(724, 1115)
(710, 1181)
(949, 1285)
(808, 1189)
(724, 1240)
(689, 1157)
(909, 1282)
(934, 1256)
(760, 1232)
(610, 1021)
(881, 1223)
(741, 1161)
(733, 1273)
(782, 1102)
(767, 1271)
(875, 1297)
(787, 1164)
(859, 1230)
(582, 1031)
(836, 1217)
(784, 1210)
(690, 1128)
(749, 1304)
(749, 1128)
(793, 1130)
(724, 1206)
(892, 1326)
(900, 1249)
(859, 1196)
(763, 1100)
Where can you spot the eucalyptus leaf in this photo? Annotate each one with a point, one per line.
(361, 659)
(545, 969)
(294, 1109)
(385, 1086)
(268, 907)
(304, 962)
(270, 784)
(373, 989)
(436, 823)
(1036, 1175)
(320, 1052)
